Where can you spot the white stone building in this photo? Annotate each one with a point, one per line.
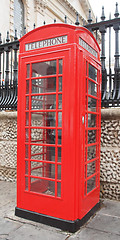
(15, 14)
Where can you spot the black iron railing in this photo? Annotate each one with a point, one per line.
(110, 71)
(110, 75)
(8, 73)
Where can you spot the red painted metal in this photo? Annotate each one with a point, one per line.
(56, 176)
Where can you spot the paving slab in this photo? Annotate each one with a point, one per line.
(110, 207)
(93, 234)
(6, 226)
(105, 223)
(28, 232)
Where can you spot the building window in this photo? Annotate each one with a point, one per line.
(19, 17)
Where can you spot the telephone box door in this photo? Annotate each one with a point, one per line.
(91, 135)
(42, 162)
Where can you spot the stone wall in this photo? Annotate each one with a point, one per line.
(110, 153)
(8, 145)
(110, 150)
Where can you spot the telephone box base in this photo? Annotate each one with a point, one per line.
(65, 225)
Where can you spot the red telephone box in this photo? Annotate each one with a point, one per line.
(59, 98)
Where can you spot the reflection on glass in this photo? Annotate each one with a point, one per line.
(44, 102)
(60, 84)
(59, 154)
(59, 172)
(26, 183)
(28, 70)
(27, 102)
(42, 186)
(92, 72)
(91, 152)
(59, 136)
(26, 167)
(26, 135)
(91, 120)
(91, 136)
(60, 66)
(27, 86)
(58, 189)
(43, 169)
(43, 153)
(60, 101)
(59, 119)
(44, 68)
(26, 151)
(43, 119)
(92, 104)
(27, 119)
(91, 167)
(92, 88)
(91, 184)
(44, 85)
(43, 136)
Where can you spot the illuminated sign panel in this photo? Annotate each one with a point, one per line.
(87, 47)
(46, 43)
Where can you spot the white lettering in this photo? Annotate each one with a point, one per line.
(46, 43)
(87, 47)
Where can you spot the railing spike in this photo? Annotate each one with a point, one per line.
(103, 14)
(0, 39)
(44, 23)
(89, 17)
(55, 20)
(7, 39)
(34, 26)
(77, 19)
(65, 19)
(24, 30)
(116, 11)
(15, 37)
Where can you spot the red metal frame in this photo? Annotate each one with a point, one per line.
(73, 200)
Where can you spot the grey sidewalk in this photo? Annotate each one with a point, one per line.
(103, 226)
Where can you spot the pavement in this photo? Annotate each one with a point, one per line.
(104, 225)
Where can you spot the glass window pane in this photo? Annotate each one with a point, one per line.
(92, 72)
(59, 154)
(26, 135)
(92, 104)
(26, 151)
(44, 68)
(28, 70)
(43, 136)
(43, 186)
(91, 136)
(44, 119)
(26, 183)
(91, 167)
(59, 137)
(26, 167)
(43, 153)
(91, 152)
(44, 85)
(27, 119)
(27, 86)
(27, 102)
(59, 189)
(44, 102)
(92, 88)
(60, 66)
(92, 120)
(59, 172)
(91, 184)
(60, 101)
(60, 84)
(42, 169)
(59, 119)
